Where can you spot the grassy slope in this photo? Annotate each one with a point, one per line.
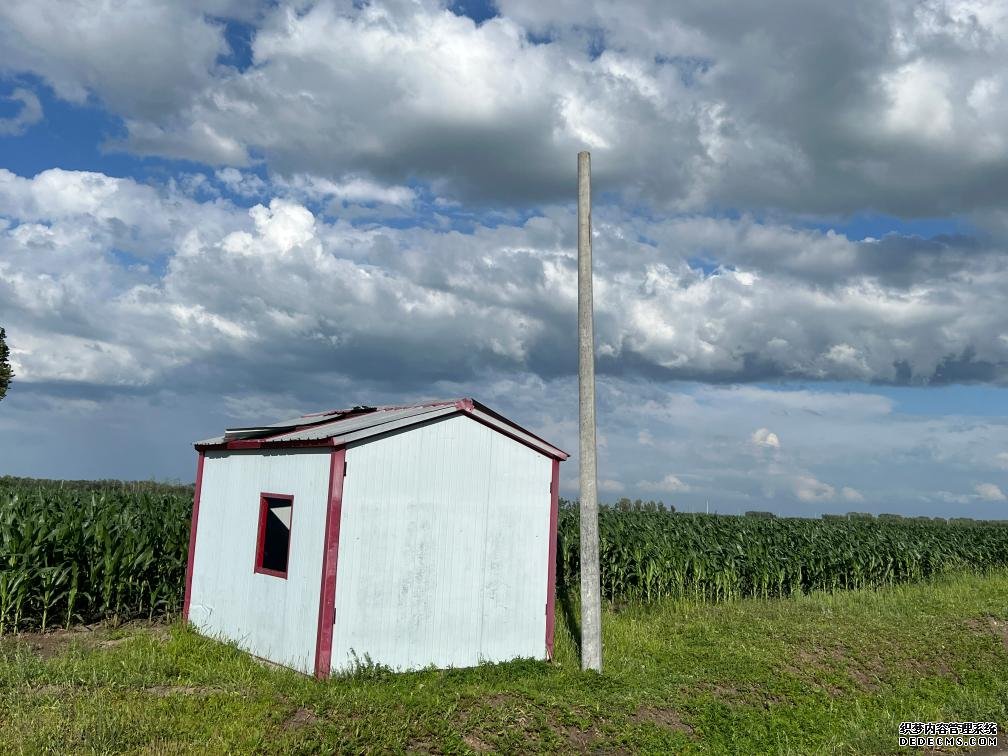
(813, 674)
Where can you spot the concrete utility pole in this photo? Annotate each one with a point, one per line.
(591, 600)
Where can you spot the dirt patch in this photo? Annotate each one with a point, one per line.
(53, 642)
(591, 742)
(49, 644)
(496, 713)
(422, 746)
(476, 743)
(48, 690)
(990, 624)
(869, 670)
(582, 735)
(813, 663)
(521, 719)
(745, 695)
(811, 676)
(726, 692)
(498, 700)
(865, 680)
(301, 718)
(667, 718)
(580, 740)
(1000, 629)
(944, 669)
(819, 662)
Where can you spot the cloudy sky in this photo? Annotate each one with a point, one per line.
(220, 212)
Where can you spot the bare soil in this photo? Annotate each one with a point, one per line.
(54, 642)
(301, 718)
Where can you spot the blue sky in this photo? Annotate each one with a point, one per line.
(220, 212)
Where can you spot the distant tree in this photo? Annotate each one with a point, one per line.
(637, 505)
(886, 517)
(760, 515)
(5, 369)
(860, 516)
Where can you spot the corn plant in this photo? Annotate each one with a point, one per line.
(84, 551)
(651, 554)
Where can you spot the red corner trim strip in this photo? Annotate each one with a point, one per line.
(192, 538)
(330, 555)
(551, 580)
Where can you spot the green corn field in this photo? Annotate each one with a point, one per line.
(74, 552)
(648, 555)
(80, 551)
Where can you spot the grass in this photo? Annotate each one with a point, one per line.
(818, 673)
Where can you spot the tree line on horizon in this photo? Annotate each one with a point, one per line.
(625, 504)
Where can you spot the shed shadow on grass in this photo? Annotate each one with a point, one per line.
(567, 606)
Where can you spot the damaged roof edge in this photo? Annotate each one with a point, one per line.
(323, 429)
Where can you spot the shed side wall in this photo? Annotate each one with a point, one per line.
(271, 617)
(443, 549)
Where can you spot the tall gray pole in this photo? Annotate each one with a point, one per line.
(591, 600)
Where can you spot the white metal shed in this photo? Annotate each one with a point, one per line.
(408, 536)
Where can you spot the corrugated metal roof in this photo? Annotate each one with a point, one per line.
(343, 426)
(300, 420)
(210, 442)
(338, 427)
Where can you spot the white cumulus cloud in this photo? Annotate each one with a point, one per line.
(608, 485)
(808, 489)
(990, 492)
(851, 494)
(678, 112)
(669, 484)
(766, 438)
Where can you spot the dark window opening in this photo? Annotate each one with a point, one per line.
(273, 548)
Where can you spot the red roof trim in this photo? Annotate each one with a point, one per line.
(471, 405)
(259, 443)
(473, 409)
(243, 444)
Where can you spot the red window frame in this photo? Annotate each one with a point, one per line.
(261, 538)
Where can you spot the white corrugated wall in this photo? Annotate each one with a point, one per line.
(443, 549)
(271, 617)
